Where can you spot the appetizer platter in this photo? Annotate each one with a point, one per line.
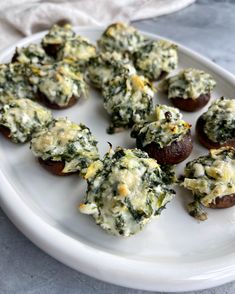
(117, 156)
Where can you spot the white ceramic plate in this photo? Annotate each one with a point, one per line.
(173, 253)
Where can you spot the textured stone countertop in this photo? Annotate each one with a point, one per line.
(207, 27)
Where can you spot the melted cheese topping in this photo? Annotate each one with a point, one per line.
(121, 38)
(33, 53)
(188, 84)
(14, 83)
(211, 176)
(125, 191)
(164, 126)
(59, 82)
(128, 99)
(156, 57)
(105, 66)
(66, 141)
(220, 120)
(58, 34)
(24, 118)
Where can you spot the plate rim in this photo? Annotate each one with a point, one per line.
(222, 271)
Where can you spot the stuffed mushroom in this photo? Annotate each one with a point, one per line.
(77, 50)
(59, 85)
(121, 38)
(216, 127)
(126, 190)
(33, 53)
(65, 147)
(107, 65)
(190, 89)
(22, 118)
(56, 36)
(211, 178)
(14, 83)
(156, 59)
(164, 135)
(128, 100)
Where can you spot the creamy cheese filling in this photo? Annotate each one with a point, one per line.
(66, 141)
(33, 53)
(14, 83)
(125, 191)
(128, 100)
(58, 34)
(156, 57)
(120, 37)
(77, 49)
(58, 82)
(106, 66)
(24, 118)
(211, 176)
(220, 120)
(190, 83)
(163, 127)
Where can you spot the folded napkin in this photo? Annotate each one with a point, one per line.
(32, 16)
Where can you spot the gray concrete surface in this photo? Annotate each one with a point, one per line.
(207, 27)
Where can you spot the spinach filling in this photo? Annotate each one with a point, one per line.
(128, 100)
(220, 120)
(32, 54)
(14, 83)
(156, 57)
(190, 83)
(66, 141)
(57, 35)
(58, 82)
(77, 50)
(163, 127)
(106, 66)
(126, 189)
(121, 38)
(209, 177)
(24, 118)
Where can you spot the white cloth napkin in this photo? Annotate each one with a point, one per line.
(29, 17)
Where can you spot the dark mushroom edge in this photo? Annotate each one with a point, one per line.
(205, 141)
(54, 167)
(172, 154)
(191, 105)
(211, 180)
(41, 97)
